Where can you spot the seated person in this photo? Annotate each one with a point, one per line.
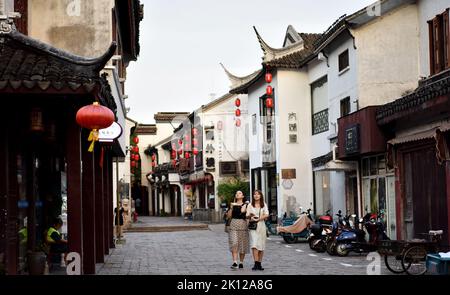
(54, 239)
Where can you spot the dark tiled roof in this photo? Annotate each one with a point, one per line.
(30, 63)
(169, 116)
(428, 89)
(322, 160)
(298, 58)
(144, 129)
(335, 27)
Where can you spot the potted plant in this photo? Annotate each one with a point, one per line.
(37, 260)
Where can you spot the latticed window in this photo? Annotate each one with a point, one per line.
(320, 122)
(319, 94)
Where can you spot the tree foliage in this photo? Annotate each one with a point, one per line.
(227, 189)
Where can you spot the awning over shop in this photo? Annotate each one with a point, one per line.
(424, 132)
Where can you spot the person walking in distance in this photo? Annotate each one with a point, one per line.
(120, 211)
(258, 212)
(238, 232)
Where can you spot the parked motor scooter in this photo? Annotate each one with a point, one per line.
(319, 232)
(344, 224)
(294, 231)
(355, 241)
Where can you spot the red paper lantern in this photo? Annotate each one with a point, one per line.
(187, 137)
(269, 90)
(94, 117)
(238, 113)
(237, 102)
(133, 164)
(153, 157)
(136, 157)
(173, 154)
(180, 151)
(195, 142)
(187, 155)
(136, 140)
(238, 122)
(195, 151)
(180, 142)
(269, 103)
(269, 78)
(136, 149)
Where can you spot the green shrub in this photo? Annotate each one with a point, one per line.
(227, 189)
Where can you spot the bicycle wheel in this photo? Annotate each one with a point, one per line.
(394, 263)
(414, 260)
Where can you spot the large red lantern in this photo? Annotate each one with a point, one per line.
(136, 149)
(187, 155)
(238, 122)
(136, 157)
(94, 117)
(173, 154)
(237, 102)
(269, 78)
(269, 90)
(269, 103)
(195, 151)
(133, 164)
(180, 151)
(238, 113)
(136, 140)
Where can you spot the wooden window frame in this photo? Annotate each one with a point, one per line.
(439, 42)
(341, 60)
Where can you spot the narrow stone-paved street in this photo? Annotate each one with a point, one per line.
(205, 252)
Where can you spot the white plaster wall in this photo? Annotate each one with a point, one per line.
(337, 191)
(293, 95)
(255, 141)
(387, 54)
(427, 11)
(231, 143)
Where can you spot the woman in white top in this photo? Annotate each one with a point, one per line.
(258, 212)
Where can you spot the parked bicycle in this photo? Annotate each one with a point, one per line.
(410, 256)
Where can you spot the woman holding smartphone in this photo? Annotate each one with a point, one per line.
(238, 232)
(258, 212)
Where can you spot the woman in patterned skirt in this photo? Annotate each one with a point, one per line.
(238, 234)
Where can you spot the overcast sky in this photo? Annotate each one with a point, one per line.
(183, 42)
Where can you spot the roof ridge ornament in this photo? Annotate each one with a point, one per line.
(237, 81)
(271, 53)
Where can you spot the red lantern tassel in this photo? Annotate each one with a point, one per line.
(93, 136)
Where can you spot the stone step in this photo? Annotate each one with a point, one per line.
(171, 228)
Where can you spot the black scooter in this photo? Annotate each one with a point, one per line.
(319, 232)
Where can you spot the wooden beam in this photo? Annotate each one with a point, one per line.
(99, 208)
(88, 193)
(74, 193)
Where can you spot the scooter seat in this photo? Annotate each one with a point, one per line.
(436, 232)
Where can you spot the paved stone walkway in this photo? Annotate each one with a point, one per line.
(205, 252)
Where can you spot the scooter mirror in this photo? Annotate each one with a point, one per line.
(361, 220)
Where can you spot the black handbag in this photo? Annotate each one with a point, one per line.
(253, 225)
